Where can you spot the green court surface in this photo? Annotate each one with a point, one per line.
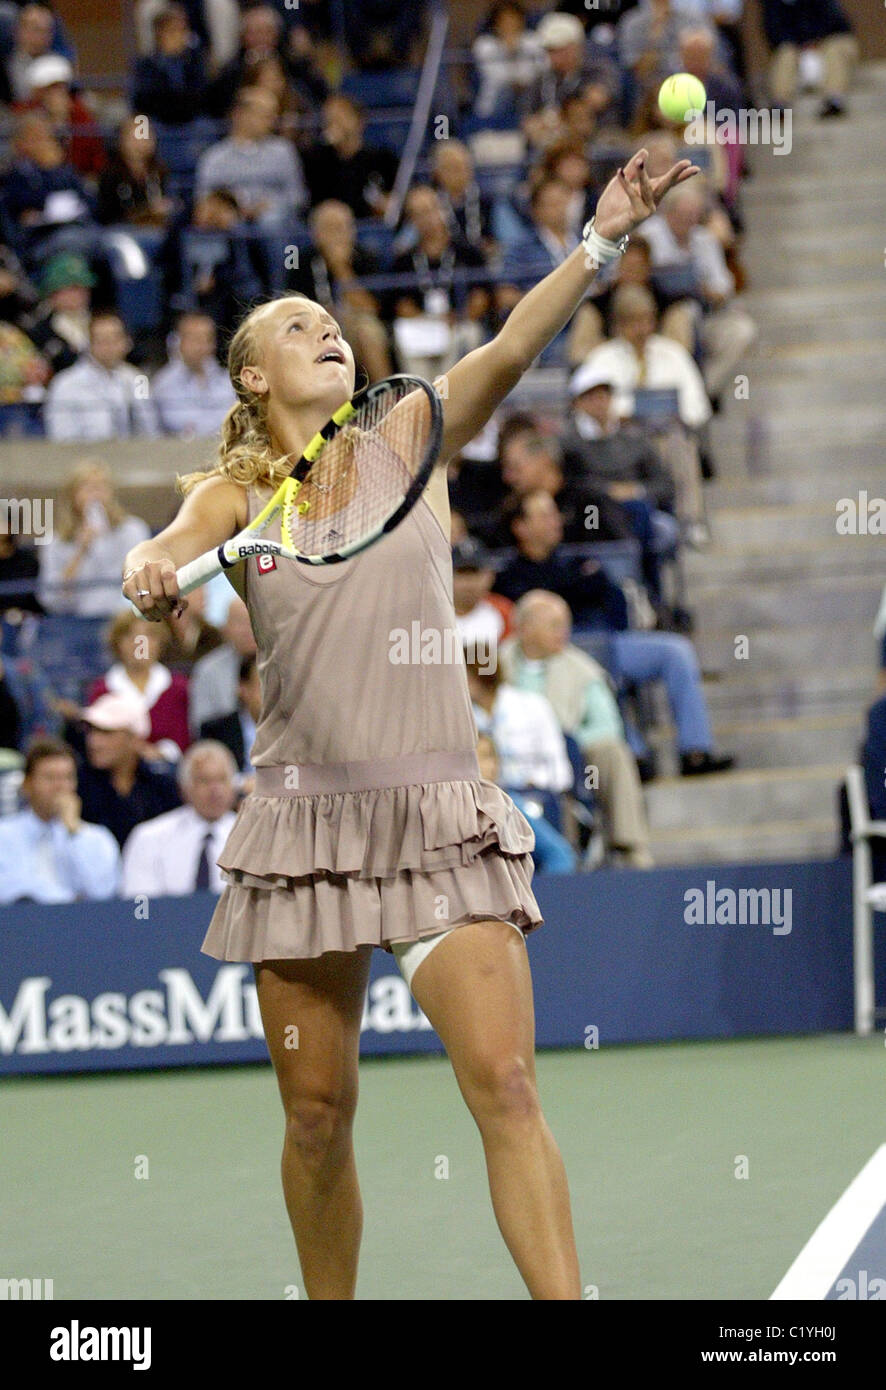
(653, 1138)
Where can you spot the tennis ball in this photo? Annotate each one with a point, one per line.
(680, 94)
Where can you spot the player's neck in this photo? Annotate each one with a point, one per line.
(292, 430)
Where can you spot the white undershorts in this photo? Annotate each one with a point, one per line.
(410, 954)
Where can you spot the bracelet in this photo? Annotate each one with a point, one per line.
(599, 249)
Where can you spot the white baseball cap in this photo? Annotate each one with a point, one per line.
(116, 712)
(587, 376)
(557, 30)
(52, 67)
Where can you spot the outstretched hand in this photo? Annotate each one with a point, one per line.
(631, 196)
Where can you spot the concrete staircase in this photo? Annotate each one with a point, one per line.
(778, 573)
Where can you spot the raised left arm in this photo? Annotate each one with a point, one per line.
(477, 384)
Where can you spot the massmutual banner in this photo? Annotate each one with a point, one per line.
(624, 956)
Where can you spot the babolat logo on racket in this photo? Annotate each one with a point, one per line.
(256, 548)
(265, 563)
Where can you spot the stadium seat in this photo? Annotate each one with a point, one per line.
(395, 87)
(378, 239)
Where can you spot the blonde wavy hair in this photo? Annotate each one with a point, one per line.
(246, 455)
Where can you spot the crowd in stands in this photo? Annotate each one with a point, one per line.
(258, 153)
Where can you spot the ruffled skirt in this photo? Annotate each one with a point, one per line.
(331, 872)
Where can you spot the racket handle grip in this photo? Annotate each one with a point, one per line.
(198, 571)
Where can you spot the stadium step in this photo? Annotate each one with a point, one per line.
(775, 841)
(748, 797)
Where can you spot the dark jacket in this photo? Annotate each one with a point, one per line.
(228, 730)
(171, 90)
(622, 457)
(594, 600)
(803, 21)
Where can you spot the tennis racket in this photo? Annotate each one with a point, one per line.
(356, 480)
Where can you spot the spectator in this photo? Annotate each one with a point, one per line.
(226, 271)
(41, 192)
(175, 853)
(531, 460)
(50, 82)
(260, 168)
(261, 38)
(622, 464)
(383, 34)
(873, 761)
(698, 56)
(427, 336)
(216, 24)
(677, 238)
(540, 658)
(790, 28)
(237, 729)
(594, 320)
(215, 680)
(508, 58)
(132, 189)
(572, 65)
(467, 209)
(330, 275)
(139, 674)
(638, 356)
(171, 83)
(119, 789)
(23, 371)
(550, 238)
(567, 162)
(190, 635)
(33, 38)
(193, 393)
(597, 604)
(483, 619)
(48, 852)
(649, 41)
(343, 167)
(81, 569)
(59, 325)
(552, 852)
(19, 566)
(270, 75)
(102, 396)
(10, 718)
(531, 749)
(17, 295)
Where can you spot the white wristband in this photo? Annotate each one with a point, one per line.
(599, 249)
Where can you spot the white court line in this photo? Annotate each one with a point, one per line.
(829, 1247)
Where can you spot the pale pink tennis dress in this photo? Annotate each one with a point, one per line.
(370, 822)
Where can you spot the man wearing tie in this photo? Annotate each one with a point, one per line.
(48, 854)
(175, 854)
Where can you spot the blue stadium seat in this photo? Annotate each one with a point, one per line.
(70, 653)
(23, 420)
(396, 87)
(180, 146)
(388, 129)
(142, 301)
(378, 239)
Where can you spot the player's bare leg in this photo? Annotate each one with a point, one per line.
(475, 988)
(317, 1073)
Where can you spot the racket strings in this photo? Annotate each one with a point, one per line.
(362, 475)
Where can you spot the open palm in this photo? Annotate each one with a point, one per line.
(631, 196)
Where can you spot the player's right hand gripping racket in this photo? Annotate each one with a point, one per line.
(356, 480)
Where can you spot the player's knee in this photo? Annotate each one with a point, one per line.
(504, 1090)
(319, 1128)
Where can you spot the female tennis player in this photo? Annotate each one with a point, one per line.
(369, 824)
